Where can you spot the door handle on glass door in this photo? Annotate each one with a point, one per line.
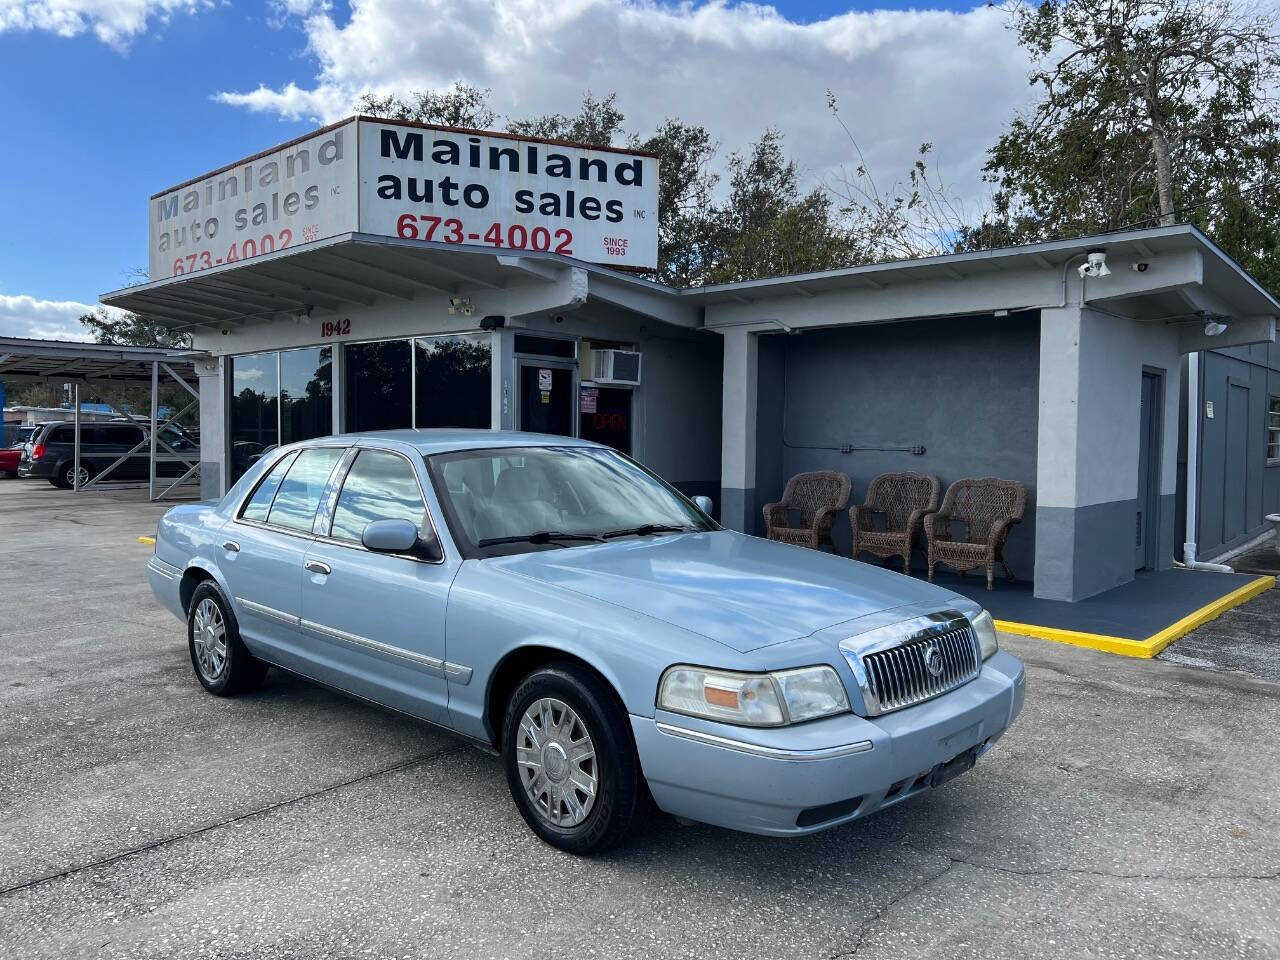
(315, 566)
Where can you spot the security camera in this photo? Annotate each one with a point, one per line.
(1095, 266)
(1141, 267)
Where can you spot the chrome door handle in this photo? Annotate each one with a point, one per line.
(231, 546)
(316, 566)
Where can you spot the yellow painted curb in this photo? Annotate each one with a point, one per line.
(147, 541)
(1148, 648)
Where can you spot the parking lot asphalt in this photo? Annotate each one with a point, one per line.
(1133, 811)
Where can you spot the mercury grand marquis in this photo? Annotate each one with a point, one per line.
(554, 601)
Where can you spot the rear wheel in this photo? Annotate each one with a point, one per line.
(571, 763)
(65, 475)
(223, 664)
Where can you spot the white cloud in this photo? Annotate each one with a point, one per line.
(25, 316)
(901, 76)
(114, 22)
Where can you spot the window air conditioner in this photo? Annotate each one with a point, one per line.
(616, 366)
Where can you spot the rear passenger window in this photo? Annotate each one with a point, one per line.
(299, 495)
(62, 435)
(123, 436)
(379, 486)
(260, 503)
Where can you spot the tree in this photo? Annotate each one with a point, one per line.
(461, 106)
(767, 228)
(1150, 112)
(596, 123)
(689, 233)
(914, 217)
(129, 328)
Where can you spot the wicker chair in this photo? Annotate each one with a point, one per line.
(903, 499)
(988, 508)
(817, 497)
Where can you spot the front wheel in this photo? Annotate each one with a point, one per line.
(571, 763)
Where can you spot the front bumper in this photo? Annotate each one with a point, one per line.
(797, 780)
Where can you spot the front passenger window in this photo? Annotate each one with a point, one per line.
(379, 486)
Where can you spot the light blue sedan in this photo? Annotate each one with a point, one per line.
(552, 600)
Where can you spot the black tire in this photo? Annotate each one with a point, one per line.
(240, 672)
(619, 803)
(63, 476)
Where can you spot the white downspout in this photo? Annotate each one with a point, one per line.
(1193, 473)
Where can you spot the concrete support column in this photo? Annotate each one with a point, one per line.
(215, 451)
(505, 380)
(1056, 440)
(738, 437)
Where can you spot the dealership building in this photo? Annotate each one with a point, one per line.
(381, 274)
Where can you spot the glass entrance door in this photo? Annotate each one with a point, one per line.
(546, 398)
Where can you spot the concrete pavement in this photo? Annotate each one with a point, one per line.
(1132, 811)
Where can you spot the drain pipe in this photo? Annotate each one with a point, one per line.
(1189, 560)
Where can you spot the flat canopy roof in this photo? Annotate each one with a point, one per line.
(63, 361)
(1221, 272)
(358, 269)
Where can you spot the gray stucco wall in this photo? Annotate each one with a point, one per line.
(1236, 487)
(964, 388)
(677, 412)
(1091, 369)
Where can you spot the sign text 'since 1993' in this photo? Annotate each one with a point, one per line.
(414, 182)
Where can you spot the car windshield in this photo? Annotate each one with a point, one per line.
(561, 496)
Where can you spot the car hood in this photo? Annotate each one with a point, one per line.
(742, 591)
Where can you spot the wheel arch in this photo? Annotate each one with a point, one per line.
(195, 574)
(517, 664)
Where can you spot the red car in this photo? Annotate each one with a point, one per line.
(9, 461)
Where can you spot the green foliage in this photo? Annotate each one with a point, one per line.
(1149, 112)
(460, 106)
(130, 329)
(768, 228)
(597, 123)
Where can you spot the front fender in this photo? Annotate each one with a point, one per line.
(493, 615)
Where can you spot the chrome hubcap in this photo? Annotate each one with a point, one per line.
(71, 476)
(209, 634)
(557, 762)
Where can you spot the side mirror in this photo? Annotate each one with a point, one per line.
(704, 504)
(400, 536)
(390, 536)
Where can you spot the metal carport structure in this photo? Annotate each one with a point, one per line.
(104, 365)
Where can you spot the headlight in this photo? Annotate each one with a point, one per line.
(985, 628)
(753, 699)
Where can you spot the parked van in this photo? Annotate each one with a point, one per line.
(50, 453)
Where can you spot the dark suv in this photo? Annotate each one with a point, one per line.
(50, 453)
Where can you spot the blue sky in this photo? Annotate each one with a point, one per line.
(108, 108)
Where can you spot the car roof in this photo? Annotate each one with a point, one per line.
(449, 440)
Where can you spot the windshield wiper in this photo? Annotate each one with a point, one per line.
(645, 529)
(541, 536)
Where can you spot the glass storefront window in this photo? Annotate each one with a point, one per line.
(377, 385)
(255, 421)
(452, 381)
(306, 394)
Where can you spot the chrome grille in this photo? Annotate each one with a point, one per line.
(899, 676)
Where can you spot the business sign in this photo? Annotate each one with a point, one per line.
(453, 186)
(302, 192)
(417, 183)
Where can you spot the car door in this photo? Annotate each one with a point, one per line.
(262, 550)
(376, 620)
